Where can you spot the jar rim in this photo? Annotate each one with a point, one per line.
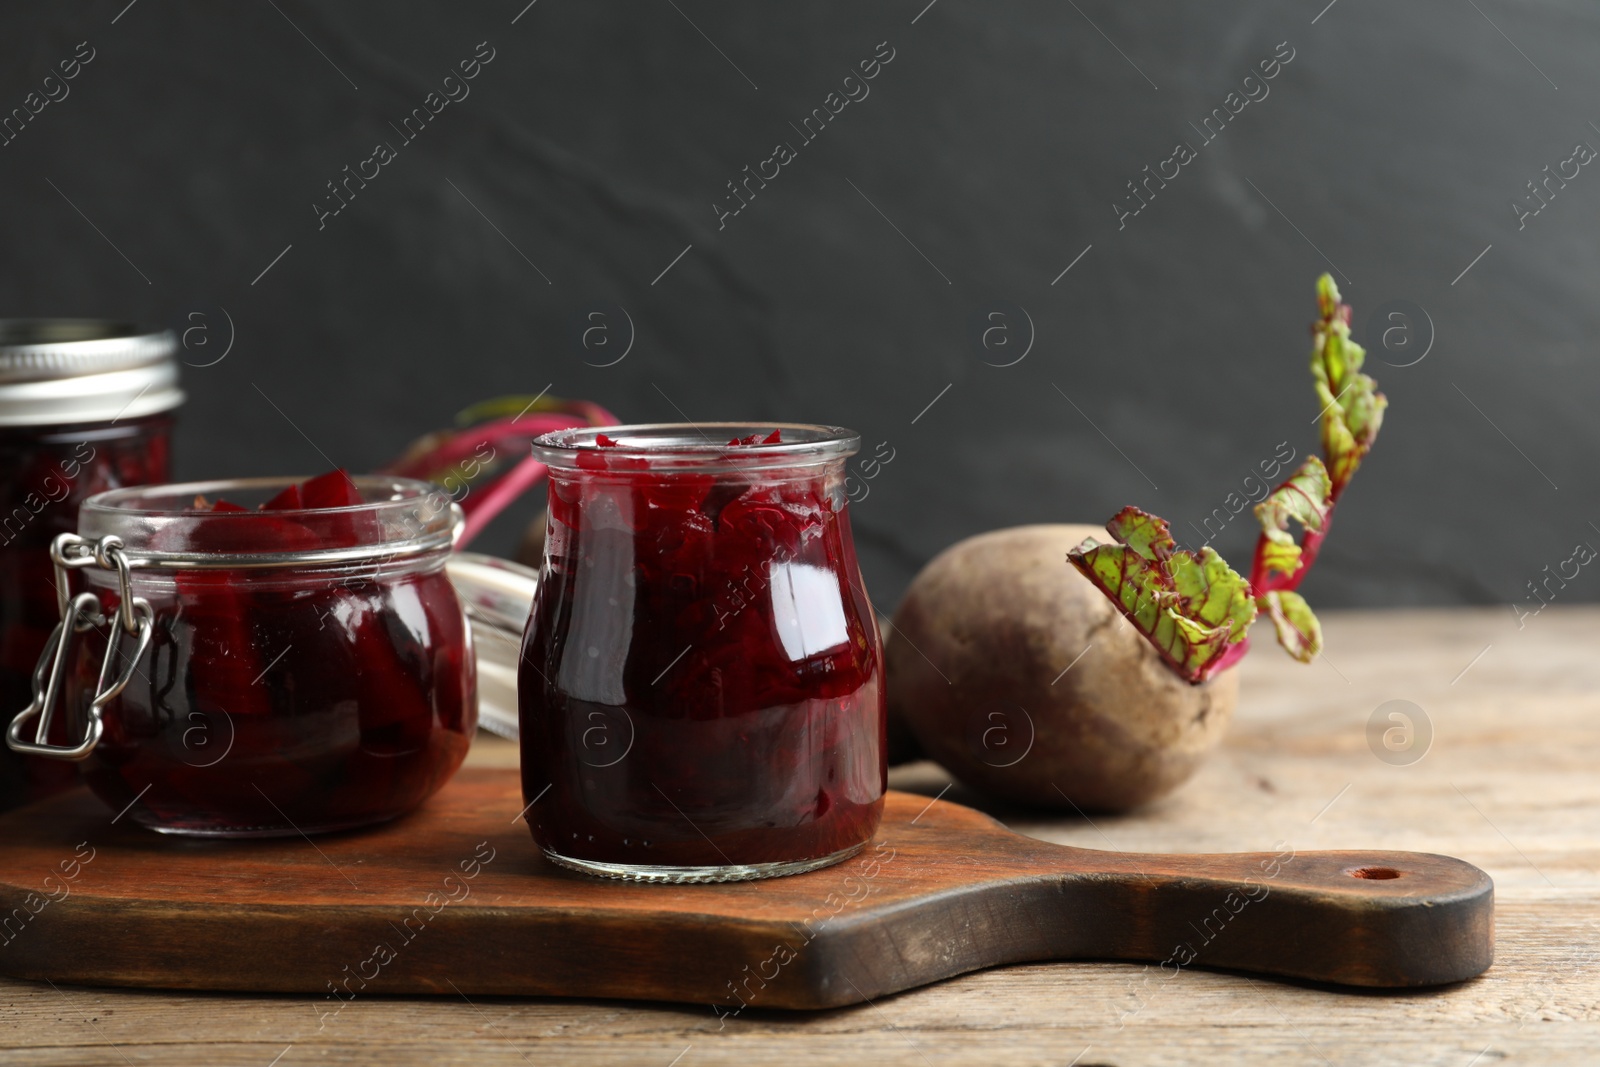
(703, 446)
(160, 526)
(59, 371)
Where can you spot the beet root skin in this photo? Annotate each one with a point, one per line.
(975, 663)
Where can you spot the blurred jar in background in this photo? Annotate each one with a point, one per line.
(84, 407)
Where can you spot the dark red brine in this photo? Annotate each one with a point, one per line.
(701, 681)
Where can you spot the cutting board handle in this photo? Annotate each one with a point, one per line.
(1355, 918)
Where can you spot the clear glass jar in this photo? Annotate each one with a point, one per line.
(83, 409)
(258, 673)
(701, 683)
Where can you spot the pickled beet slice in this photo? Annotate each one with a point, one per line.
(773, 438)
(395, 712)
(224, 660)
(590, 460)
(331, 490)
(287, 500)
(250, 532)
(227, 664)
(335, 490)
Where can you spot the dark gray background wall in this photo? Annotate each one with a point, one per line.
(985, 161)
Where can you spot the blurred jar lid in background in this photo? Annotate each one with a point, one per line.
(61, 371)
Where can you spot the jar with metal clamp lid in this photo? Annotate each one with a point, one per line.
(84, 407)
(243, 672)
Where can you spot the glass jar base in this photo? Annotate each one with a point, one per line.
(733, 872)
(230, 831)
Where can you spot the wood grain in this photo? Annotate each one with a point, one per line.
(455, 898)
(1508, 785)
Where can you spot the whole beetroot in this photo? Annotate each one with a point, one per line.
(978, 667)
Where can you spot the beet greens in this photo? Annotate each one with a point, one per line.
(1194, 608)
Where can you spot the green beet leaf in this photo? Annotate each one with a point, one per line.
(1352, 408)
(1305, 498)
(1299, 632)
(1192, 607)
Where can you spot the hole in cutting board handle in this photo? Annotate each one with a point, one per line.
(1373, 872)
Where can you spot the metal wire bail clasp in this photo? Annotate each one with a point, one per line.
(80, 614)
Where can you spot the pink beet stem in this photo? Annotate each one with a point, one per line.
(462, 445)
(484, 502)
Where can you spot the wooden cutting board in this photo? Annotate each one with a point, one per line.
(454, 899)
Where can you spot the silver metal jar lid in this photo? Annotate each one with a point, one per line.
(61, 371)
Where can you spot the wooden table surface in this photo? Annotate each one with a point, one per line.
(1509, 784)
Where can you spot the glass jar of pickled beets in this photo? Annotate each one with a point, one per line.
(259, 657)
(83, 408)
(701, 686)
